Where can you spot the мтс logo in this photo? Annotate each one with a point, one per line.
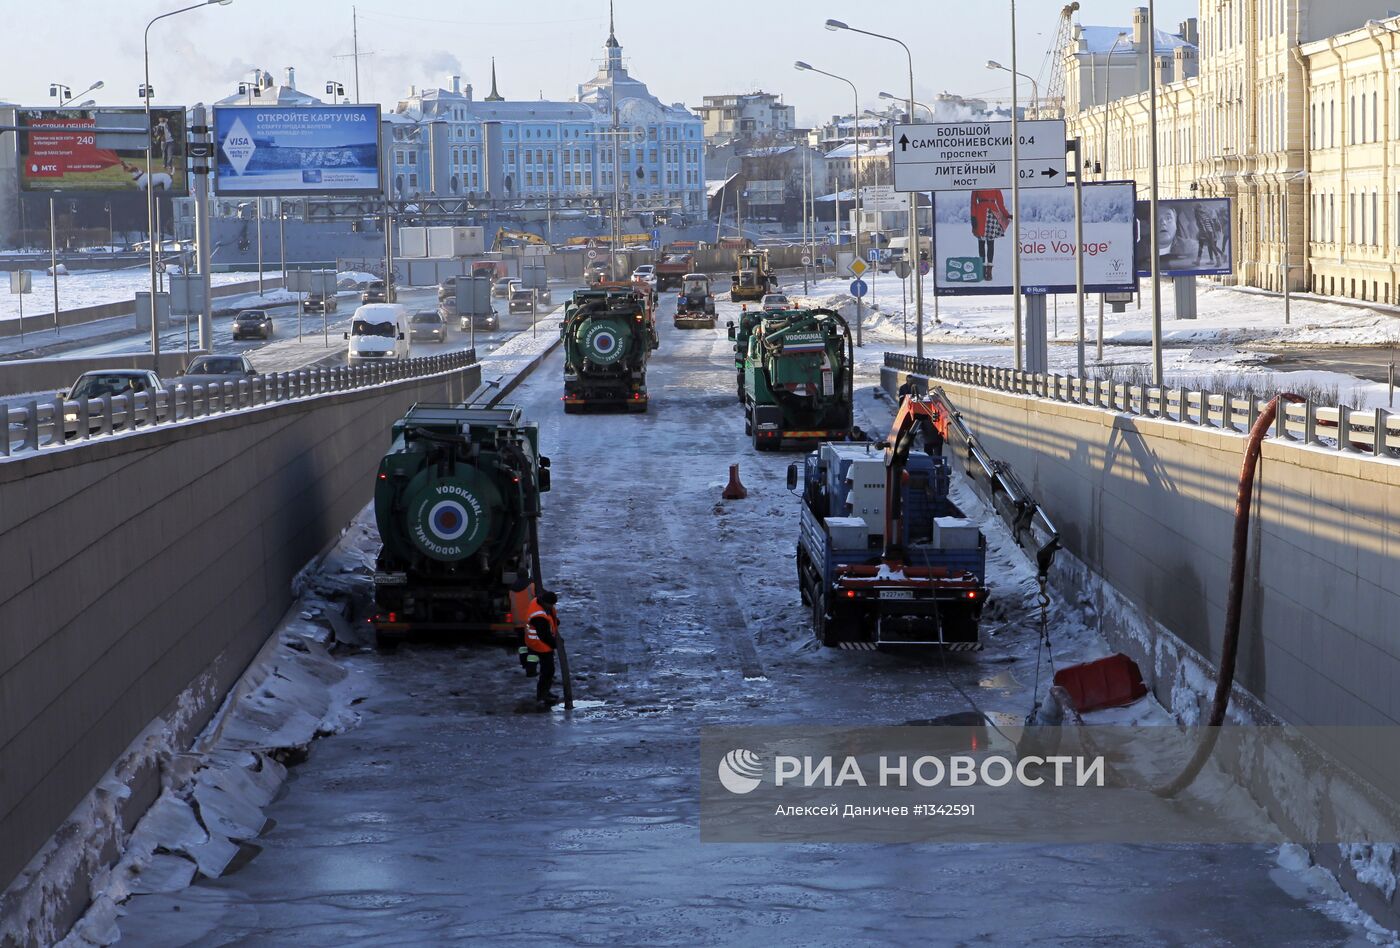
(741, 771)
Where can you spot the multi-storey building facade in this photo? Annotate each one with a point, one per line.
(1287, 111)
(615, 136)
(753, 116)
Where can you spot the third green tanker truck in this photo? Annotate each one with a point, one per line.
(798, 384)
(609, 333)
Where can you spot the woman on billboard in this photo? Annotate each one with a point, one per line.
(989, 220)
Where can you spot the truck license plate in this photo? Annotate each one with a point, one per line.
(390, 579)
(896, 594)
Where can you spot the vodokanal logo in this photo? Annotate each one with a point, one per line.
(741, 771)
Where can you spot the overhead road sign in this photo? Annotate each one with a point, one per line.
(976, 156)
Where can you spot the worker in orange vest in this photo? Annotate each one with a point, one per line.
(541, 638)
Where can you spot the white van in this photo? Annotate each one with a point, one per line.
(378, 331)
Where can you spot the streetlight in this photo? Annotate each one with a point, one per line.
(917, 105)
(800, 66)
(915, 253)
(334, 89)
(65, 95)
(1158, 378)
(1035, 87)
(146, 93)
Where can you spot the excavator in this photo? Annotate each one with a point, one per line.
(515, 238)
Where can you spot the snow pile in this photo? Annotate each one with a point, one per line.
(93, 288)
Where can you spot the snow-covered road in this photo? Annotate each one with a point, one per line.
(452, 813)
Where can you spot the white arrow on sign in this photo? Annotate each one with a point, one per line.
(972, 156)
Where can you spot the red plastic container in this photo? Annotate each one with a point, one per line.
(1106, 683)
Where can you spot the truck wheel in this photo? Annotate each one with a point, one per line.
(387, 641)
(802, 578)
(570, 409)
(820, 627)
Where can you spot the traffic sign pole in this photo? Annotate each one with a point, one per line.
(1074, 149)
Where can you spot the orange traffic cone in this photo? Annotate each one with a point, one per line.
(734, 490)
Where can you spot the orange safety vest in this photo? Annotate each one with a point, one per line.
(532, 638)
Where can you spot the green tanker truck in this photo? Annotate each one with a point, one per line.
(798, 383)
(740, 333)
(609, 333)
(457, 502)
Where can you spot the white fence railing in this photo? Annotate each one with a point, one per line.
(1375, 431)
(58, 421)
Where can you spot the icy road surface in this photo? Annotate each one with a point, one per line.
(451, 814)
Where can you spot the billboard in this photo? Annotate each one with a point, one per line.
(1193, 237)
(972, 249)
(323, 149)
(77, 150)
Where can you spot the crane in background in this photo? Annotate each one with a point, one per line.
(1054, 60)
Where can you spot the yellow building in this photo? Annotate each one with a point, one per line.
(1264, 100)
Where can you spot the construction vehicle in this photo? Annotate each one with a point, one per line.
(671, 269)
(740, 332)
(799, 379)
(516, 238)
(457, 503)
(609, 332)
(752, 277)
(695, 305)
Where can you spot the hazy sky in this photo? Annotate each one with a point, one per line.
(682, 51)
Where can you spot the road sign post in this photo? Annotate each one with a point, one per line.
(21, 283)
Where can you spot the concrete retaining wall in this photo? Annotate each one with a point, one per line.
(88, 314)
(1148, 505)
(47, 375)
(135, 565)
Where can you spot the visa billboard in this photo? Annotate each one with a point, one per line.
(292, 150)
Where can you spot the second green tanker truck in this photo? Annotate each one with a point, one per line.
(798, 384)
(609, 333)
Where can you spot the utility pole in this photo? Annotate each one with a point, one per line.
(355, 39)
(53, 261)
(1016, 196)
(1157, 377)
(201, 150)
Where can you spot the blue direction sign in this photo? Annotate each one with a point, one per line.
(859, 288)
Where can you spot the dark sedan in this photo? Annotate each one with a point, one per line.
(428, 325)
(252, 323)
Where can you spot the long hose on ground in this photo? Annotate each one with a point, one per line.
(1229, 647)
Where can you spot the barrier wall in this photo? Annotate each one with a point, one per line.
(44, 375)
(88, 314)
(1148, 505)
(136, 565)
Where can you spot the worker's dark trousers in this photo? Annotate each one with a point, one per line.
(546, 675)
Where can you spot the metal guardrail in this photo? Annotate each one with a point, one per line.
(58, 421)
(1375, 432)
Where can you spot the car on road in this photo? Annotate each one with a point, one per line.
(645, 273)
(775, 302)
(252, 322)
(378, 331)
(521, 301)
(216, 369)
(428, 325)
(503, 287)
(316, 303)
(114, 382)
(489, 321)
(377, 291)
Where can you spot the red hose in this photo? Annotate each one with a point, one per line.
(1229, 647)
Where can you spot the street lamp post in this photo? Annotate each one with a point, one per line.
(913, 229)
(1107, 107)
(1015, 191)
(855, 116)
(334, 89)
(1035, 86)
(917, 104)
(146, 93)
(1157, 377)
